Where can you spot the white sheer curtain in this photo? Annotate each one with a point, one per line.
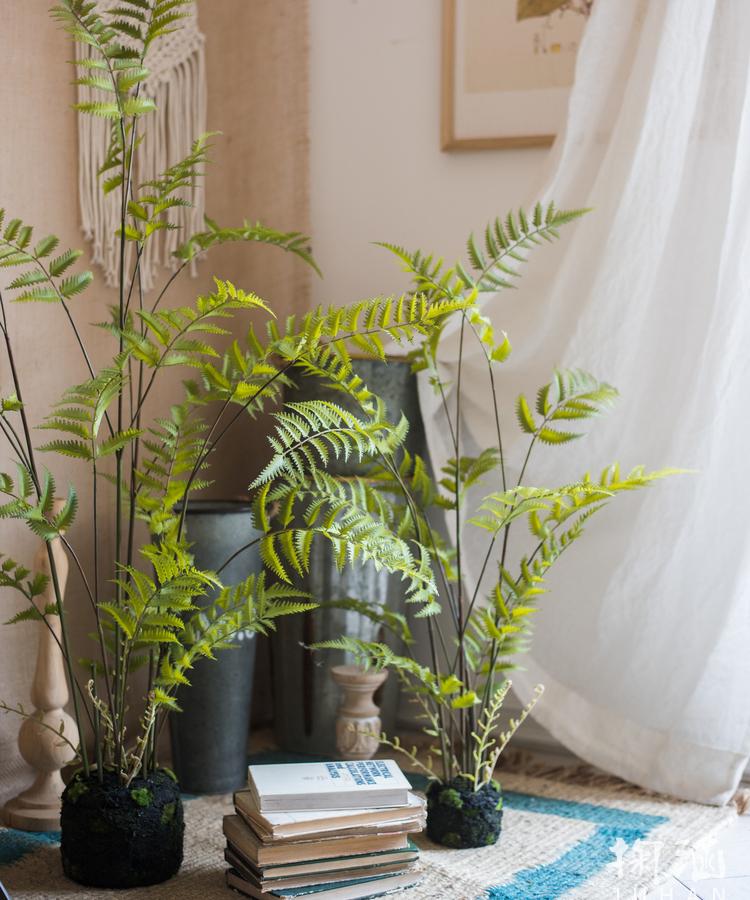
(644, 640)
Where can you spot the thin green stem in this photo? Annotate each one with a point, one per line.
(97, 729)
(135, 445)
(168, 284)
(14, 440)
(120, 673)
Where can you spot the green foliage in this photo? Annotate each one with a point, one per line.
(570, 396)
(251, 605)
(492, 261)
(171, 337)
(354, 536)
(41, 278)
(82, 412)
(31, 500)
(380, 656)
(15, 575)
(149, 209)
(392, 620)
(307, 434)
(459, 476)
(161, 481)
(320, 342)
(292, 241)
(461, 692)
(77, 789)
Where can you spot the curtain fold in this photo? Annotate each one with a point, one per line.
(642, 641)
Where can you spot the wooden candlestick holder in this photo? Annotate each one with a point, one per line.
(38, 807)
(358, 723)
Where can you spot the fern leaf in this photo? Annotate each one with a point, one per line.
(524, 416)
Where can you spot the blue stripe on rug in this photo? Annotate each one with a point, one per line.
(580, 862)
(14, 844)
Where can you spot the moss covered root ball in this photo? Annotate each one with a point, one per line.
(460, 817)
(115, 836)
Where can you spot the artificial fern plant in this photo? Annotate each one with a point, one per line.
(143, 601)
(474, 631)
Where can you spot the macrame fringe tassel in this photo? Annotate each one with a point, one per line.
(180, 117)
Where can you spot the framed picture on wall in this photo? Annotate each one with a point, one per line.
(508, 66)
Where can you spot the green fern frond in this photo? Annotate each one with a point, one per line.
(307, 433)
(572, 395)
(16, 576)
(292, 241)
(494, 261)
(40, 283)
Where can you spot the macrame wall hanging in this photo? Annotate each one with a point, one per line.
(177, 84)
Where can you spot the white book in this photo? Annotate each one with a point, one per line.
(353, 784)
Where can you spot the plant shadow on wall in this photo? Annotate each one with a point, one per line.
(473, 634)
(152, 608)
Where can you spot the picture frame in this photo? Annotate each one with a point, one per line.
(507, 69)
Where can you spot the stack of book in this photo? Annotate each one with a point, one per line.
(323, 831)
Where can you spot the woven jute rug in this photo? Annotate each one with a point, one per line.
(597, 839)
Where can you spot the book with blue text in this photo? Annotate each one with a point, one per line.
(352, 784)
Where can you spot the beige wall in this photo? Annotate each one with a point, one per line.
(256, 55)
(376, 169)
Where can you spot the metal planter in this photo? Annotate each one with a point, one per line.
(209, 737)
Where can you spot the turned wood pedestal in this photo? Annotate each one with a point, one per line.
(38, 807)
(358, 724)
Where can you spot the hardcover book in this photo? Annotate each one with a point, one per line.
(372, 783)
(333, 864)
(334, 876)
(261, 855)
(353, 890)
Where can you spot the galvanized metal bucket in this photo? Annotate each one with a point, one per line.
(209, 737)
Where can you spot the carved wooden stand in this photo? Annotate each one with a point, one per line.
(38, 807)
(359, 717)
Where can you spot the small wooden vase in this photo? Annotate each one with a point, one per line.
(358, 722)
(38, 807)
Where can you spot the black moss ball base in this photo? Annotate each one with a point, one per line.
(458, 816)
(119, 837)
